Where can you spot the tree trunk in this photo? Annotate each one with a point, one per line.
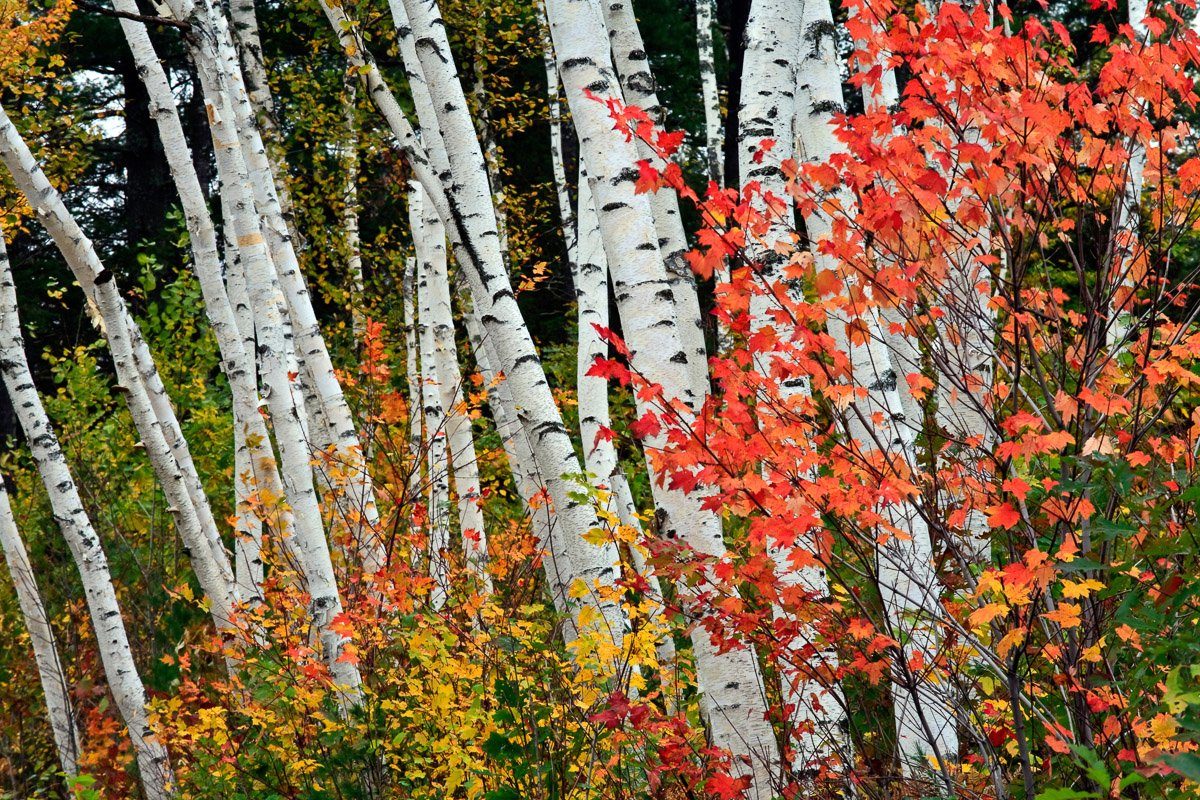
(465, 207)
(37, 623)
(708, 88)
(430, 237)
(925, 723)
(84, 543)
(640, 89)
(732, 697)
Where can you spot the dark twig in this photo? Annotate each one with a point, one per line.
(150, 20)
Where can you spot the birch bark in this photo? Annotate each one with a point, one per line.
(429, 237)
(37, 623)
(308, 545)
(254, 460)
(590, 272)
(461, 441)
(714, 143)
(209, 561)
(640, 89)
(465, 207)
(730, 682)
(123, 679)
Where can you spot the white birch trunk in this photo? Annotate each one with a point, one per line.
(1127, 217)
(566, 213)
(461, 441)
(308, 545)
(244, 25)
(714, 140)
(465, 207)
(254, 467)
(413, 375)
(640, 89)
(37, 623)
(521, 461)
(350, 211)
(731, 686)
(600, 454)
(256, 460)
(429, 237)
(86, 550)
(209, 561)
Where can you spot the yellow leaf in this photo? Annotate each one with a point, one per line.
(1163, 728)
(1073, 590)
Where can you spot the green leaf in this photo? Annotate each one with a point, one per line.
(1063, 793)
(1186, 764)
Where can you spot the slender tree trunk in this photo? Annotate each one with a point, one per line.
(461, 441)
(640, 89)
(37, 623)
(732, 696)
(566, 212)
(430, 237)
(521, 461)
(413, 375)
(714, 146)
(115, 654)
(350, 210)
(465, 207)
(308, 545)
(244, 26)
(209, 561)
(600, 454)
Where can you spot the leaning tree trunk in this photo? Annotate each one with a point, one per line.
(730, 682)
(521, 461)
(356, 505)
(465, 207)
(37, 623)
(115, 654)
(429, 237)
(210, 563)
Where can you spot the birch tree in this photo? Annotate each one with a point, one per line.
(464, 203)
(924, 723)
(205, 549)
(730, 683)
(55, 689)
(124, 681)
(429, 238)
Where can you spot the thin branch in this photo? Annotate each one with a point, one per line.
(148, 19)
